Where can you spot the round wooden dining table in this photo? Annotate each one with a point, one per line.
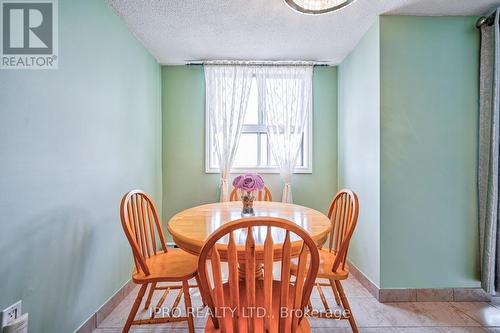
(191, 227)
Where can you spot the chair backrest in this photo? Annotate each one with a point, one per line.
(139, 221)
(343, 214)
(263, 195)
(291, 296)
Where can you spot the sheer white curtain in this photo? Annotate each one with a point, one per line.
(227, 91)
(286, 101)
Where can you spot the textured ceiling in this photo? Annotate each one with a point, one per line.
(176, 32)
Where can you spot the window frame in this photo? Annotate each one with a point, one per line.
(307, 148)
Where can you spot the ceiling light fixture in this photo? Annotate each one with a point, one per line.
(317, 6)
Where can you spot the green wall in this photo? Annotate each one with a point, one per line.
(185, 182)
(359, 146)
(408, 110)
(72, 141)
(429, 110)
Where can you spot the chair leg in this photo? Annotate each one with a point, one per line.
(323, 298)
(198, 283)
(188, 305)
(345, 304)
(134, 309)
(150, 295)
(335, 292)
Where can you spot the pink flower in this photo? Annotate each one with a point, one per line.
(249, 182)
(237, 180)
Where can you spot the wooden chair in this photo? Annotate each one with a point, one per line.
(152, 266)
(343, 213)
(248, 304)
(264, 195)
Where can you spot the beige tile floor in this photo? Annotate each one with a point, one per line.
(371, 316)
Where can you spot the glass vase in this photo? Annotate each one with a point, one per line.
(247, 200)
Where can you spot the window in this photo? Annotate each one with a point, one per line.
(254, 153)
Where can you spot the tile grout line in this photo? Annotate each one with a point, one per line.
(465, 313)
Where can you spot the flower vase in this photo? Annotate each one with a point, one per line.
(247, 200)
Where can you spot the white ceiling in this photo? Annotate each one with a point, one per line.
(176, 32)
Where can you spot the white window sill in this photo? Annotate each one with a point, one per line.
(259, 170)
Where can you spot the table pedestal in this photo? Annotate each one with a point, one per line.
(259, 271)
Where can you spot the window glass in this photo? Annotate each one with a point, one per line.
(253, 150)
(248, 150)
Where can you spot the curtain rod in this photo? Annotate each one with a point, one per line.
(489, 20)
(256, 63)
